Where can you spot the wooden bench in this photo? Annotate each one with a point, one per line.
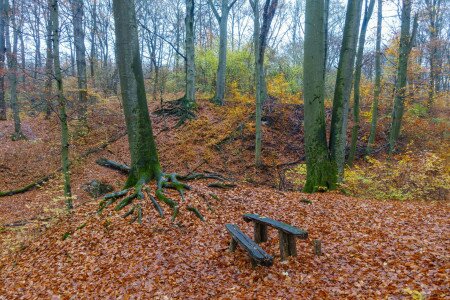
(286, 232)
(256, 253)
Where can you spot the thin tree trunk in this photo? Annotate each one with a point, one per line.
(406, 38)
(93, 50)
(3, 16)
(221, 70)
(344, 79)
(47, 95)
(377, 88)
(357, 81)
(12, 64)
(261, 35)
(54, 12)
(80, 50)
(320, 172)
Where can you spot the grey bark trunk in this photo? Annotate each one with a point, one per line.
(344, 79)
(320, 171)
(406, 38)
(377, 89)
(54, 12)
(356, 89)
(80, 50)
(12, 65)
(221, 70)
(3, 16)
(144, 157)
(189, 100)
(47, 95)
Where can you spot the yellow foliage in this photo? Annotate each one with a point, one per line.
(406, 177)
(279, 88)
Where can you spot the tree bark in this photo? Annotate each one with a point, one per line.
(80, 50)
(3, 16)
(377, 88)
(320, 172)
(344, 79)
(54, 16)
(356, 88)
(12, 65)
(145, 164)
(260, 42)
(406, 39)
(189, 99)
(223, 41)
(47, 95)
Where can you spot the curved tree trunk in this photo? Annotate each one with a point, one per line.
(406, 38)
(357, 81)
(344, 78)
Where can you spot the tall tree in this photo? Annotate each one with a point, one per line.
(320, 172)
(377, 88)
(3, 16)
(80, 50)
(93, 54)
(47, 95)
(260, 42)
(145, 164)
(188, 101)
(222, 19)
(406, 43)
(54, 16)
(433, 11)
(12, 65)
(344, 80)
(356, 85)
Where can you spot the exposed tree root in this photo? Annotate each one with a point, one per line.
(140, 192)
(179, 109)
(113, 165)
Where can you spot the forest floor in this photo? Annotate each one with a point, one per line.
(371, 249)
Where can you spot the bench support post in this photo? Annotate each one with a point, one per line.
(284, 247)
(260, 234)
(292, 245)
(287, 245)
(233, 245)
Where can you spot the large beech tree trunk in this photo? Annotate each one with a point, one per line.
(344, 80)
(320, 172)
(145, 164)
(189, 99)
(54, 16)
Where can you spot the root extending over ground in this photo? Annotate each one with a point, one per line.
(131, 197)
(178, 108)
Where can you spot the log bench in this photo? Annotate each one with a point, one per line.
(256, 253)
(286, 232)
